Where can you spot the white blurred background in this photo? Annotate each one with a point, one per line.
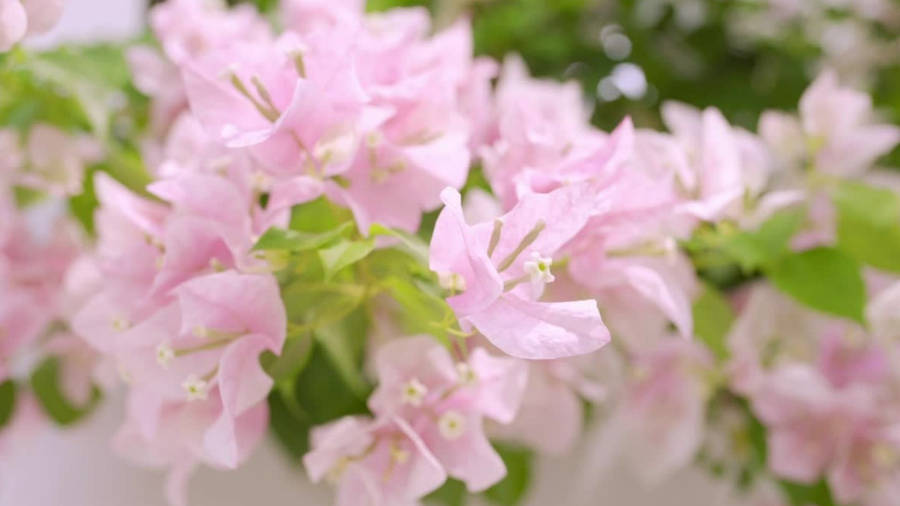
(76, 467)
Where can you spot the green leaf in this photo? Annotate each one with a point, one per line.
(868, 224)
(512, 489)
(757, 248)
(292, 240)
(289, 423)
(713, 317)
(45, 383)
(322, 391)
(343, 254)
(421, 311)
(345, 341)
(409, 243)
(313, 305)
(823, 278)
(803, 495)
(8, 391)
(452, 493)
(294, 357)
(319, 215)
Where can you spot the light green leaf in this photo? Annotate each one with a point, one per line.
(292, 240)
(343, 254)
(713, 317)
(410, 243)
(868, 224)
(318, 216)
(754, 249)
(822, 278)
(312, 305)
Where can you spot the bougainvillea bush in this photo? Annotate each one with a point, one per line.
(419, 269)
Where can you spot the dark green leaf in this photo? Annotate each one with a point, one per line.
(289, 423)
(345, 341)
(822, 278)
(817, 494)
(452, 493)
(323, 393)
(45, 383)
(512, 489)
(8, 390)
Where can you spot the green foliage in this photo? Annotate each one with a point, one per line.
(45, 383)
(293, 240)
(323, 391)
(823, 278)
(726, 256)
(868, 224)
(452, 493)
(803, 495)
(8, 394)
(755, 249)
(289, 423)
(713, 316)
(519, 469)
(344, 254)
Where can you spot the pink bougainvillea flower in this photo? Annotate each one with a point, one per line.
(57, 160)
(445, 402)
(551, 416)
(176, 436)
(662, 416)
(373, 462)
(13, 23)
(727, 163)
(800, 410)
(538, 125)
(495, 271)
(188, 28)
(839, 124)
(836, 132)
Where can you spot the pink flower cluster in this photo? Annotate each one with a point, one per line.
(429, 413)
(380, 115)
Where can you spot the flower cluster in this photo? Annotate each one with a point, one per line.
(322, 192)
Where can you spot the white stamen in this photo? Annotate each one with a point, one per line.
(196, 388)
(413, 392)
(164, 354)
(120, 324)
(466, 374)
(538, 268)
(452, 281)
(452, 425)
(399, 455)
